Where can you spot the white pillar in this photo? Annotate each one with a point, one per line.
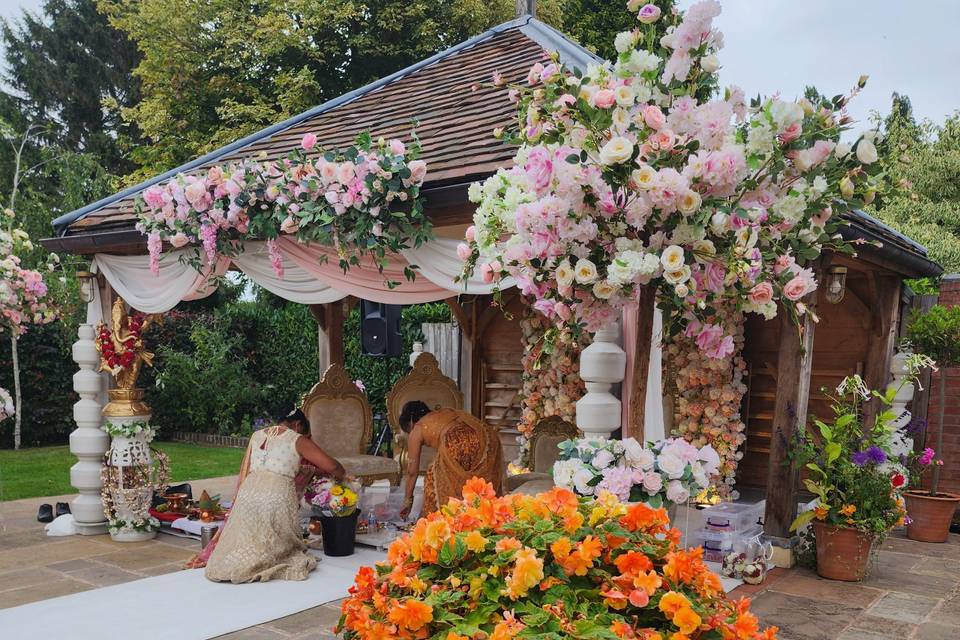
(88, 442)
(901, 443)
(602, 365)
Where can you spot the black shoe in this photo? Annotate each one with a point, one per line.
(45, 514)
(62, 509)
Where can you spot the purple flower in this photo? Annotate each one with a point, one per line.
(876, 455)
(860, 458)
(916, 425)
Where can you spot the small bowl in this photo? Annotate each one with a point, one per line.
(175, 501)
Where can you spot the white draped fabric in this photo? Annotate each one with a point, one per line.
(438, 261)
(296, 285)
(131, 278)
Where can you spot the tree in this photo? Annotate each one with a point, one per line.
(213, 71)
(69, 68)
(924, 160)
(594, 23)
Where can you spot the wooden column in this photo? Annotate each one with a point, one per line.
(921, 394)
(329, 319)
(794, 364)
(641, 364)
(882, 339)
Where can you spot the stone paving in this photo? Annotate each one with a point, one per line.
(912, 593)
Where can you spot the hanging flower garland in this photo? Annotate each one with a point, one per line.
(629, 175)
(363, 201)
(551, 381)
(708, 397)
(120, 355)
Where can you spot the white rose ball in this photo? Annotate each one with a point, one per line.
(618, 150)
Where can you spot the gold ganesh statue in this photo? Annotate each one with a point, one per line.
(123, 353)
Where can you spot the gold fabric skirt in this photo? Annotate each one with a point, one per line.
(262, 539)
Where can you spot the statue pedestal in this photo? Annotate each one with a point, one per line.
(87, 442)
(130, 477)
(602, 365)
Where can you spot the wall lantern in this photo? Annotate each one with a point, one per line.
(88, 282)
(836, 284)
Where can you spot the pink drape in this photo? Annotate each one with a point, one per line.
(206, 284)
(364, 280)
(630, 318)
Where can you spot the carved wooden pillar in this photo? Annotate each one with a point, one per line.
(641, 365)
(882, 339)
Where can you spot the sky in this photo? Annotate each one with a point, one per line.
(783, 45)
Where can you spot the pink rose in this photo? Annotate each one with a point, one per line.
(549, 71)
(397, 147)
(539, 168)
(463, 251)
(533, 77)
(604, 99)
(653, 116)
(563, 311)
(662, 140)
(649, 13)
(179, 240)
(418, 171)
(761, 293)
(289, 225)
(796, 288)
(309, 141)
(471, 233)
(791, 133)
(652, 482)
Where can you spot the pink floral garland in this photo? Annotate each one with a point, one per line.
(708, 397)
(553, 388)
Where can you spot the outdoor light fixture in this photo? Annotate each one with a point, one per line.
(836, 284)
(88, 281)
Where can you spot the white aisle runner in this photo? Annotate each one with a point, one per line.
(180, 606)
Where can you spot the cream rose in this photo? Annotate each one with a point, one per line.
(616, 151)
(585, 272)
(564, 274)
(672, 258)
(644, 177)
(704, 250)
(689, 202)
(866, 151)
(603, 290)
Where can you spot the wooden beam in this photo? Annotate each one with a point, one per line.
(881, 341)
(794, 365)
(461, 315)
(329, 319)
(920, 406)
(641, 364)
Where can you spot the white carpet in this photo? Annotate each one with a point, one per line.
(146, 608)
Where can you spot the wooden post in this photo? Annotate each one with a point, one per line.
(921, 394)
(794, 365)
(881, 339)
(641, 364)
(329, 319)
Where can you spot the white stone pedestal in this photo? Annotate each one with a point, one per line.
(88, 442)
(602, 365)
(131, 503)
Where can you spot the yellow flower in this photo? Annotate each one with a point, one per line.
(437, 533)
(336, 490)
(475, 541)
(686, 620)
(527, 573)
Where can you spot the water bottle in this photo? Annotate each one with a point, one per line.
(206, 535)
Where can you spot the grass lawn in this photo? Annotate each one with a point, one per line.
(45, 471)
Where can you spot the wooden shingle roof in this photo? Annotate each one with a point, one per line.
(455, 123)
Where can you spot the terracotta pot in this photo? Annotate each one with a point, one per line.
(930, 515)
(842, 553)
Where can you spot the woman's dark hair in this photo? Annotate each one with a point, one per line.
(411, 414)
(296, 417)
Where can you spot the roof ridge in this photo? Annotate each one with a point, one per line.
(62, 222)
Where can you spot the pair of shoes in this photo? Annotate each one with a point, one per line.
(62, 509)
(45, 514)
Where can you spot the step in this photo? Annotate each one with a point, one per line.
(503, 367)
(501, 385)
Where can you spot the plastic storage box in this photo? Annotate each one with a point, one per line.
(733, 517)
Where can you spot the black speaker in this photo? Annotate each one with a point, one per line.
(380, 329)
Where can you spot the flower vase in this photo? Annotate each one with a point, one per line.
(930, 516)
(339, 534)
(129, 473)
(842, 553)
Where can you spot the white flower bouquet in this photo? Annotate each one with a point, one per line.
(661, 473)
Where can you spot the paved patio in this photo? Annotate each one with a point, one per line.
(912, 593)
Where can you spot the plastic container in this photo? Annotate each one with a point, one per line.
(716, 544)
(733, 517)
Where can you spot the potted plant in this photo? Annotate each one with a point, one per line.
(335, 504)
(928, 517)
(937, 334)
(856, 481)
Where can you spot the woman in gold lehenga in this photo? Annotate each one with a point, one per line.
(262, 539)
(465, 446)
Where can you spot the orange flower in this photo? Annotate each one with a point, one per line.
(623, 630)
(640, 517)
(507, 544)
(746, 626)
(639, 598)
(456, 636)
(478, 488)
(633, 562)
(686, 620)
(615, 599)
(820, 512)
(679, 636)
(649, 582)
(475, 541)
(507, 628)
(527, 573)
(672, 602)
(684, 566)
(549, 582)
(410, 614)
(708, 584)
(579, 561)
(559, 500)
(848, 509)
(572, 521)
(561, 548)
(436, 533)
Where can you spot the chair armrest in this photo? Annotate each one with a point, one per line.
(522, 478)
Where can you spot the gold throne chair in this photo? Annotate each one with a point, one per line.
(341, 422)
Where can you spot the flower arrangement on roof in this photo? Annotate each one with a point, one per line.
(858, 483)
(364, 201)
(667, 472)
(546, 566)
(630, 173)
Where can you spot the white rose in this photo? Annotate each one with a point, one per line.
(644, 177)
(585, 272)
(842, 150)
(564, 274)
(710, 63)
(563, 471)
(700, 476)
(631, 449)
(671, 465)
(786, 114)
(652, 483)
(689, 202)
(719, 223)
(710, 459)
(672, 258)
(866, 152)
(623, 42)
(676, 493)
(602, 459)
(704, 250)
(624, 95)
(581, 479)
(677, 277)
(616, 151)
(603, 290)
(681, 290)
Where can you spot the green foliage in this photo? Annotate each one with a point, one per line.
(924, 160)
(69, 67)
(47, 372)
(936, 333)
(594, 23)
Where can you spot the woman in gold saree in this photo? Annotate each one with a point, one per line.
(465, 446)
(262, 539)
